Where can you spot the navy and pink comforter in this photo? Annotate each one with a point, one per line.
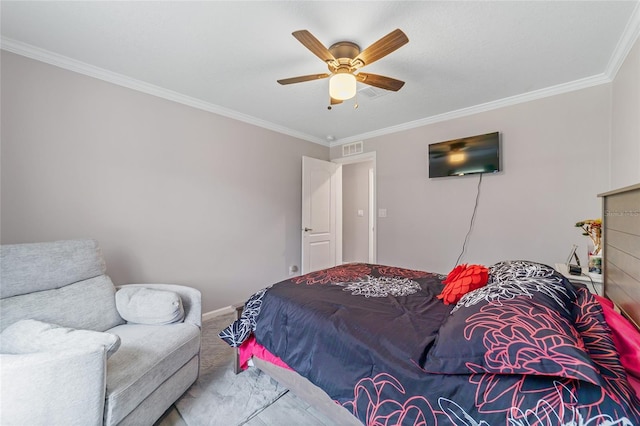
(527, 349)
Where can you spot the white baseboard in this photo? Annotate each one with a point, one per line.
(217, 312)
(222, 311)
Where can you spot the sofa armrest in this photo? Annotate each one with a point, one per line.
(54, 387)
(191, 300)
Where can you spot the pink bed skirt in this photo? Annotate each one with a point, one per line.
(252, 348)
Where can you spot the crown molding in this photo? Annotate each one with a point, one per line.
(625, 43)
(488, 106)
(67, 63)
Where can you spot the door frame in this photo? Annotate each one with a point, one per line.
(373, 201)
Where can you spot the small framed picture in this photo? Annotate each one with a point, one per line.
(573, 254)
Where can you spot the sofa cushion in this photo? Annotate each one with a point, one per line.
(141, 305)
(26, 268)
(148, 356)
(86, 305)
(53, 388)
(31, 336)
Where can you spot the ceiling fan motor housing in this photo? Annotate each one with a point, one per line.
(344, 49)
(344, 52)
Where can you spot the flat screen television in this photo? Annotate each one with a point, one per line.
(458, 157)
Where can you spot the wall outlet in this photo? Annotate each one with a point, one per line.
(382, 212)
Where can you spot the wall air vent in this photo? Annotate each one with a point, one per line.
(352, 149)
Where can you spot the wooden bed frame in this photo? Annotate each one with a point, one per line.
(621, 231)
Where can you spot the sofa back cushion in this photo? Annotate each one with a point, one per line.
(88, 305)
(27, 268)
(60, 282)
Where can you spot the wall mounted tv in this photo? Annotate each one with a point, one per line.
(475, 154)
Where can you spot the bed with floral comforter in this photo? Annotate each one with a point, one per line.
(526, 349)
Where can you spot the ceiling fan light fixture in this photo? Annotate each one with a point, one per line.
(342, 86)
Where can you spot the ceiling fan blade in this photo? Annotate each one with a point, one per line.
(335, 101)
(381, 48)
(303, 78)
(314, 45)
(380, 81)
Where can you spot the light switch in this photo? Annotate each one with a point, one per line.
(360, 212)
(382, 212)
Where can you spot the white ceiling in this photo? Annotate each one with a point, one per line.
(225, 56)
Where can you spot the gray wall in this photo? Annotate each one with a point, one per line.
(625, 116)
(355, 196)
(555, 158)
(558, 154)
(173, 194)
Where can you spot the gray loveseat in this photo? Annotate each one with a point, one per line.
(86, 382)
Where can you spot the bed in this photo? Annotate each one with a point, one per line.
(374, 344)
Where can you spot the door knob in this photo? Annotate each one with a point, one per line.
(307, 229)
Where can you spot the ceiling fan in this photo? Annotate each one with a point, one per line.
(344, 59)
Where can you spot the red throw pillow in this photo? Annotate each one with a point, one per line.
(461, 280)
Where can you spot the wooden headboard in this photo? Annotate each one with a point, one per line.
(621, 233)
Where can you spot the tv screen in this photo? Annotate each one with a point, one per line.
(475, 154)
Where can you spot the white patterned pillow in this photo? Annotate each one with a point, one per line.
(141, 305)
(30, 336)
(510, 279)
(509, 270)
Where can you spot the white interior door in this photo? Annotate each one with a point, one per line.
(321, 214)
